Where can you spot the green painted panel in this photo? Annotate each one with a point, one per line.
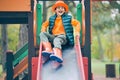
(21, 57)
(20, 51)
(79, 18)
(39, 21)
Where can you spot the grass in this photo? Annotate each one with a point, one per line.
(99, 68)
(0, 70)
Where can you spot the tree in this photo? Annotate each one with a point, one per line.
(23, 35)
(105, 20)
(4, 44)
(45, 11)
(100, 20)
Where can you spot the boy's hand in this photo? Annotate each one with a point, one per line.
(77, 38)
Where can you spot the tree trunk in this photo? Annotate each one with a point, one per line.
(4, 44)
(23, 35)
(101, 52)
(112, 46)
(44, 11)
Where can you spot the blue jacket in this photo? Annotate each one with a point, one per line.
(66, 19)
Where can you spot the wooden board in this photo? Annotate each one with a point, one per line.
(15, 5)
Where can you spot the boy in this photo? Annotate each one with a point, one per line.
(60, 28)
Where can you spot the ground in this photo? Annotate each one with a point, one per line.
(96, 77)
(101, 77)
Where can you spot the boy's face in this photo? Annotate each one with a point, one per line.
(60, 10)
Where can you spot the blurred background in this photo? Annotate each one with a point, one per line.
(105, 45)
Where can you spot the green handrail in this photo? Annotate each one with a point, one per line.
(20, 54)
(39, 21)
(79, 18)
(19, 59)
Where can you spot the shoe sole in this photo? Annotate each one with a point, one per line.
(45, 54)
(55, 58)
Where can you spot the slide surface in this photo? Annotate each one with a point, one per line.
(68, 71)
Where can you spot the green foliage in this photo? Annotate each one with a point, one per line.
(1, 70)
(13, 36)
(102, 18)
(117, 18)
(95, 48)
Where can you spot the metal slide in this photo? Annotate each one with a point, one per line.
(72, 68)
(68, 71)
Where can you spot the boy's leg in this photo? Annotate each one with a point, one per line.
(44, 37)
(58, 42)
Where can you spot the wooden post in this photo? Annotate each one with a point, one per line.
(31, 48)
(9, 65)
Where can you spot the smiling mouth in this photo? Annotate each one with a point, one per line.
(60, 11)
